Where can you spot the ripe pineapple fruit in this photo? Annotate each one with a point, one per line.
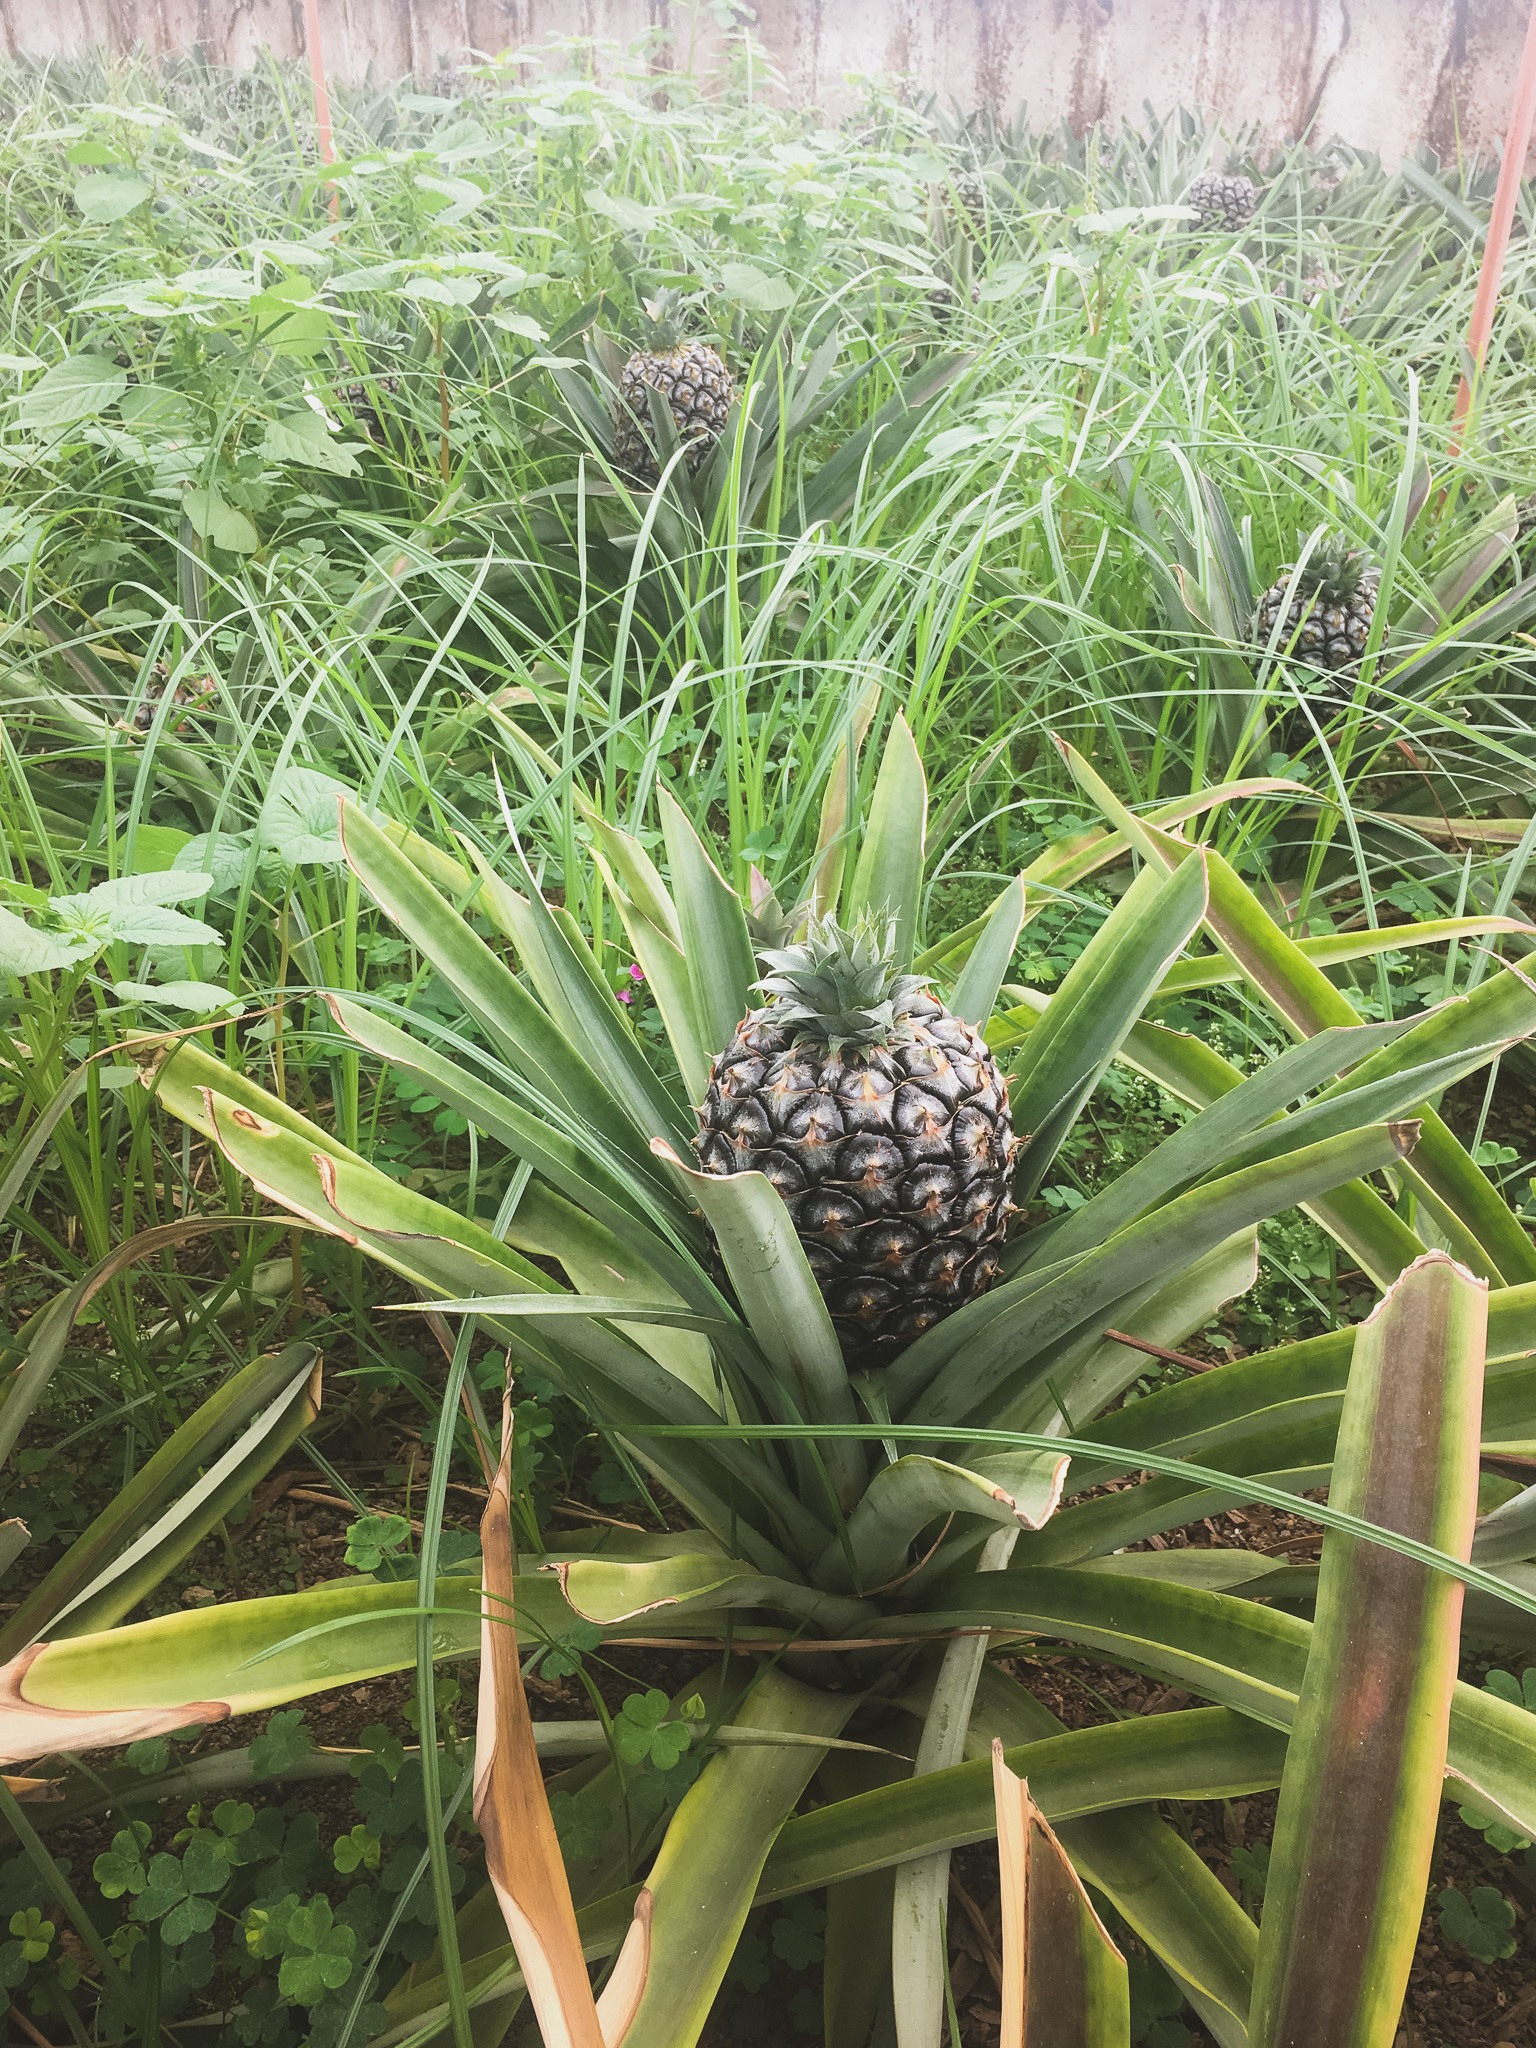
(882, 1120)
(1329, 620)
(1222, 201)
(691, 377)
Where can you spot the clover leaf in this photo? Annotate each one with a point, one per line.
(1520, 1692)
(799, 1933)
(356, 1850)
(385, 1749)
(643, 1735)
(174, 1893)
(1483, 1924)
(582, 1820)
(372, 1538)
(284, 1742)
(563, 1654)
(33, 1932)
(317, 1953)
(121, 1869)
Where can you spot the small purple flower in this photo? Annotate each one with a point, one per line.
(636, 971)
(625, 996)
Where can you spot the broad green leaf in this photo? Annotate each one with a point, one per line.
(1360, 1797)
(609, 1590)
(888, 876)
(755, 288)
(1199, 1753)
(783, 1306)
(303, 437)
(1508, 1535)
(27, 949)
(299, 824)
(197, 998)
(202, 1665)
(107, 196)
(215, 519)
(79, 388)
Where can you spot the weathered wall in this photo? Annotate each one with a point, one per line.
(1384, 73)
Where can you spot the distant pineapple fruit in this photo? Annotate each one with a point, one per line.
(692, 378)
(968, 205)
(1222, 201)
(1328, 621)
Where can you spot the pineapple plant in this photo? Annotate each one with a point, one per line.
(882, 1120)
(1222, 200)
(690, 375)
(967, 203)
(1327, 621)
(888, 1547)
(361, 397)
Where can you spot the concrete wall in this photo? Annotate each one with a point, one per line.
(1384, 73)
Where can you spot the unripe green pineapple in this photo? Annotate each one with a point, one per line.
(1328, 621)
(882, 1120)
(693, 379)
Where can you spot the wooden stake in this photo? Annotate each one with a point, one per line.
(323, 139)
(1521, 119)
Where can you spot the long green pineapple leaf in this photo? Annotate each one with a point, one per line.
(1364, 1770)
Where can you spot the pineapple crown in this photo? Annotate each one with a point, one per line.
(1335, 571)
(841, 987)
(664, 311)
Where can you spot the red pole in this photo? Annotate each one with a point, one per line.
(1521, 119)
(323, 141)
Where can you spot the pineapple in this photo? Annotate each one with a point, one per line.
(882, 1120)
(691, 377)
(967, 203)
(1222, 201)
(361, 400)
(1329, 620)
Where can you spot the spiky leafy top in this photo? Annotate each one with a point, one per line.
(664, 311)
(1334, 572)
(841, 988)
